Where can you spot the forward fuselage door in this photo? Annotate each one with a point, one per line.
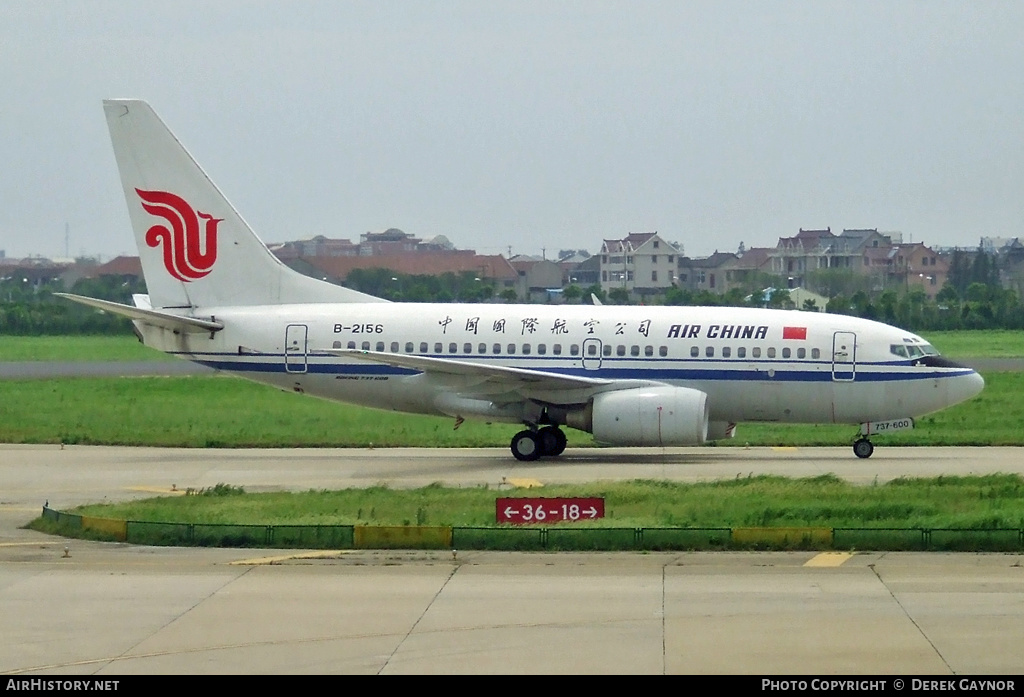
(592, 354)
(844, 356)
(295, 348)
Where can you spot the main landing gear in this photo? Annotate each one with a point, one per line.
(531, 445)
(863, 448)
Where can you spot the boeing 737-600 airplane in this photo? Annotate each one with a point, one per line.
(636, 376)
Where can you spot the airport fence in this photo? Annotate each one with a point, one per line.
(530, 538)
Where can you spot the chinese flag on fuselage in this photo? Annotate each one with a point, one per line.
(794, 333)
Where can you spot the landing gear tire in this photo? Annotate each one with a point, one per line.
(552, 441)
(527, 446)
(863, 448)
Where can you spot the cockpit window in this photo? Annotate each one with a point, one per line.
(913, 350)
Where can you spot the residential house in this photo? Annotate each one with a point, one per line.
(642, 262)
(488, 267)
(919, 266)
(584, 273)
(538, 279)
(708, 273)
(745, 269)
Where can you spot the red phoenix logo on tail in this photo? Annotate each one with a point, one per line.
(186, 256)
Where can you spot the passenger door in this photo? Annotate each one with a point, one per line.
(295, 336)
(844, 356)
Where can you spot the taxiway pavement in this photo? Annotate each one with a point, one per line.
(113, 609)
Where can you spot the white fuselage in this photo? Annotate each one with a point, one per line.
(754, 364)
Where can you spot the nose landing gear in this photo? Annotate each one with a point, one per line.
(863, 448)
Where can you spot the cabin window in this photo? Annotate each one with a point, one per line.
(557, 349)
(394, 347)
(786, 353)
(481, 348)
(634, 350)
(726, 352)
(771, 352)
(437, 347)
(423, 347)
(620, 350)
(542, 349)
(592, 349)
(366, 346)
(607, 350)
(467, 348)
(741, 352)
(694, 352)
(380, 346)
(755, 352)
(801, 353)
(336, 344)
(408, 347)
(526, 349)
(709, 351)
(453, 347)
(496, 349)
(574, 350)
(511, 349)
(351, 344)
(815, 353)
(648, 350)
(663, 351)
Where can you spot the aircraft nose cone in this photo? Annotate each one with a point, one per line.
(965, 387)
(977, 384)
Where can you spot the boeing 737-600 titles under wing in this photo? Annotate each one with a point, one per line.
(644, 376)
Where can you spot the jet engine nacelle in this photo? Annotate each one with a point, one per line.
(651, 416)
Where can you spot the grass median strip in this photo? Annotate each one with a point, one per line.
(983, 502)
(224, 411)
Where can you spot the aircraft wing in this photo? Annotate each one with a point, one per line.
(507, 384)
(157, 318)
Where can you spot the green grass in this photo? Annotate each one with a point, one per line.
(223, 411)
(989, 343)
(77, 348)
(217, 411)
(991, 501)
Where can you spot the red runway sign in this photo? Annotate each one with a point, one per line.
(554, 510)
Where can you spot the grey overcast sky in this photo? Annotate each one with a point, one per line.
(530, 124)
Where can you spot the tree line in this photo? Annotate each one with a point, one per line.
(972, 298)
(30, 309)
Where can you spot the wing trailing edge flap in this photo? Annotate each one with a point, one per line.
(157, 318)
(500, 384)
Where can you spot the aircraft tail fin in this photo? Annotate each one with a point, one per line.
(196, 250)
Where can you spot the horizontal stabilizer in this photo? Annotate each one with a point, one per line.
(155, 317)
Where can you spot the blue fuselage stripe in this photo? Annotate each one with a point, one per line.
(863, 373)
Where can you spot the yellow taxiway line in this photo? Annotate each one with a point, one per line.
(827, 559)
(524, 483)
(318, 554)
